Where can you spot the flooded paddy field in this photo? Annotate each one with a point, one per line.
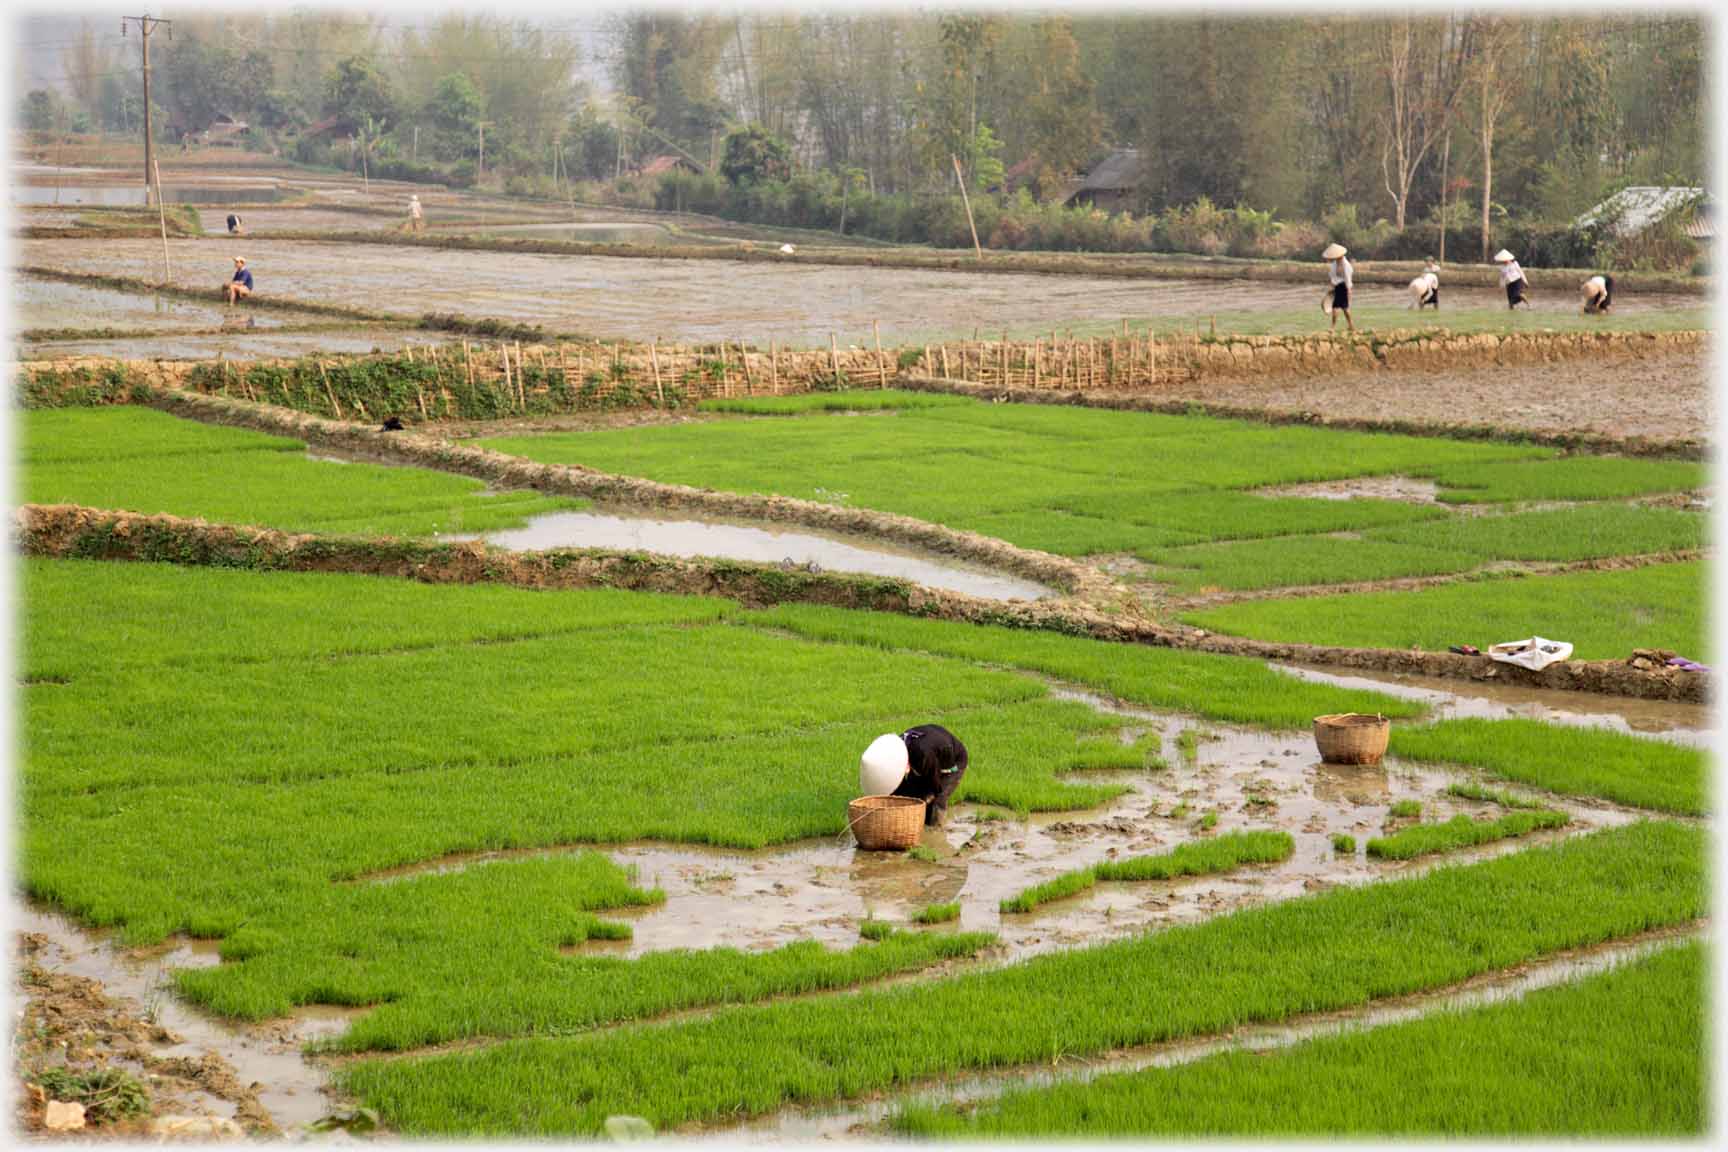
(262, 343)
(697, 301)
(53, 304)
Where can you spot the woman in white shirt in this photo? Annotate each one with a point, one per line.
(1339, 275)
(1512, 276)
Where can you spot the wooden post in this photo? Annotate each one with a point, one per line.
(161, 215)
(1004, 359)
(967, 200)
(834, 357)
(509, 385)
(654, 363)
(468, 363)
(929, 364)
(773, 368)
(749, 380)
(1037, 363)
(881, 364)
(725, 380)
(946, 374)
(330, 392)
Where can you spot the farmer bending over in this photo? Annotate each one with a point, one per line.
(927, 760)
(1598, 294)
(240, 286)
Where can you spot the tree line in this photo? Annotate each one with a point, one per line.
(1466, 122)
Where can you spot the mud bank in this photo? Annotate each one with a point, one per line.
(1343, 411)
(113, 1007)
(73, 531)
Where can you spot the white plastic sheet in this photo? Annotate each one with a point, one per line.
(1534, 653)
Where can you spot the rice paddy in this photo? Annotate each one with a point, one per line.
(424, 804)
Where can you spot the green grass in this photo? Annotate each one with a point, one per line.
(1604, 614)
(1405, 810)
(871, 929)
(266, 741)
(1461, 832)
(1618, 1054)
(1493, 796)
(1599, 762)
(850, 401)
(140, 460)
(938, 913)
(1302, 561)
(1218, 687)
(1343, 842)
(1556, 535)
(1065, 480)
(1569, 478)
(1334, 950)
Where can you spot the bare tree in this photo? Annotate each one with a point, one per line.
(1495, 39)
(1422, 63)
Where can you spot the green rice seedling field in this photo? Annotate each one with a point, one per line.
(1197, 858)
(565, 856)
(1619, 1054)
(1605, 615)
(138, 460)
(1339, 949)
(1205, 503)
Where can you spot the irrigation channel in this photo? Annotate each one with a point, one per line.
(821, 890)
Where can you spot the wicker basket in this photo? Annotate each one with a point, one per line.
(892, 823)
(1352, 737)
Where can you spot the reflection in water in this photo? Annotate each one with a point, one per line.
(762, 545)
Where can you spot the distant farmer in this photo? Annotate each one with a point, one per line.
(927, 761)
(1598, 294)
(234, 224)
(416, 219)
(1425, 289)
(1340, 278)
(240, 286)
(1512, 276)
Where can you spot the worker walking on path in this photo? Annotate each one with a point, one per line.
(240, 286)
(1512, 276)
(1341, 278)
(416, 219)
(927, 761)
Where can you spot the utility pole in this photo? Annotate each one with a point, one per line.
(146, 25)
(480, 165)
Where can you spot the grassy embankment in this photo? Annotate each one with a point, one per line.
(1336, 950)
(1620, 1054)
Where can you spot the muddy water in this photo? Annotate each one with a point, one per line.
(1671, 720)
(702, 300)
(120, 196)
(580, 233)
(1406, 488)
(51, 304)
(292, 1089)
(862, 1120)
(1251, 779)
(762, 545)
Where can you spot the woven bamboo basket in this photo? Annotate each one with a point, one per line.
(886, 823)
(1352, 737)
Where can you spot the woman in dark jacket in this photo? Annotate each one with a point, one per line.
(937, 761)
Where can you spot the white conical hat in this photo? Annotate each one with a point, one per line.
(1502, 256)
(883, 765)
(1333, 251)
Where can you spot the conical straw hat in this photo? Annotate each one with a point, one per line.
(1333, 251)
(1502, 256)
